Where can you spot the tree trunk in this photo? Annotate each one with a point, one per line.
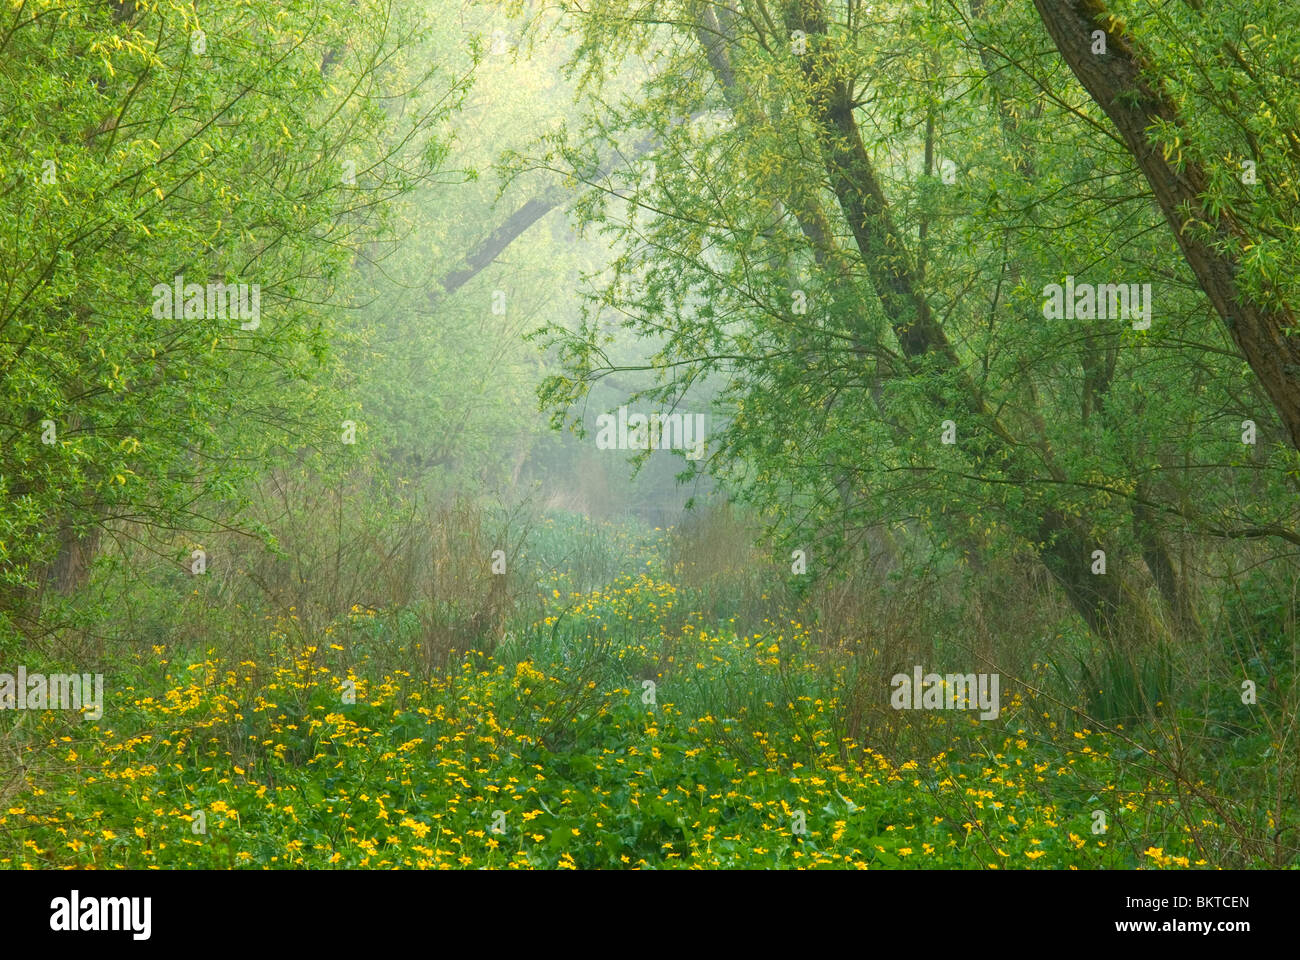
(1114, 81)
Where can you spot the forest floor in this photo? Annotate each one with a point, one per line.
(619, 729)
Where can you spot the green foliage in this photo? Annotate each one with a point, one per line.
(737, 759)
(837, 242)
(142, 144)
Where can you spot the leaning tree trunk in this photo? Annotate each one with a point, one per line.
(1134, 103)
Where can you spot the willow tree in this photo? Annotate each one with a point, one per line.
(859, 246)
(150, 151)
(1204, 101)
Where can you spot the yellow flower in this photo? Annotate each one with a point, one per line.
(421, 830)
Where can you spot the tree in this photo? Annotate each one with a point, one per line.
(1189, 167)
(241, 150)
(835, 411)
